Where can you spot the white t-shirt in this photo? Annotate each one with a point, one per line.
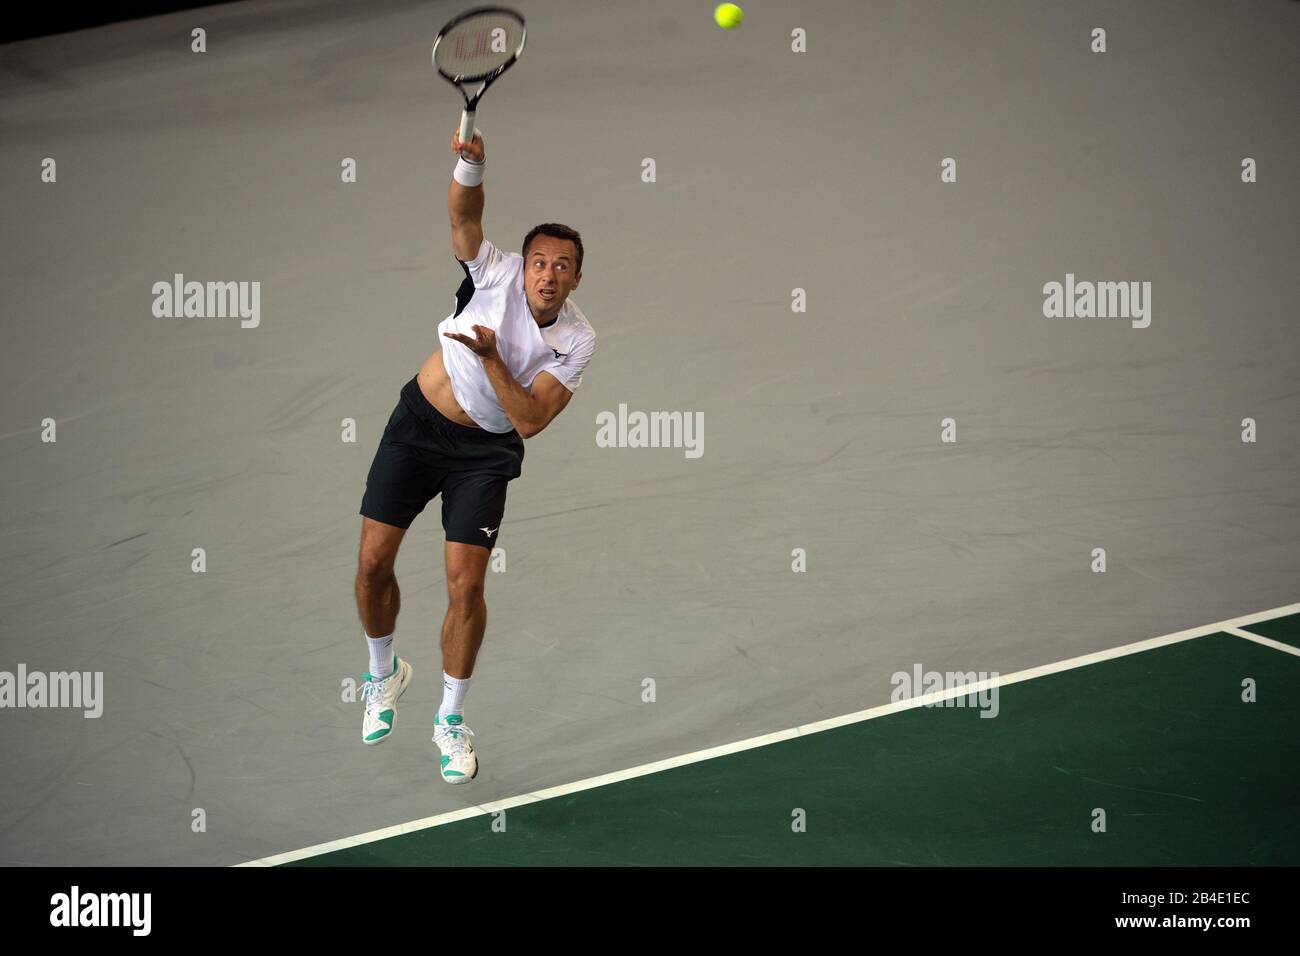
(562, 348)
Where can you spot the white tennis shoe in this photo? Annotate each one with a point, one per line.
(459, 765)
(380, 695)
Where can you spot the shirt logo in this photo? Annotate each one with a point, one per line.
(558, 353)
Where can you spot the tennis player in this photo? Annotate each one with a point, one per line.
(511, 357)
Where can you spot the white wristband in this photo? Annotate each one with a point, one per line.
(468, 173)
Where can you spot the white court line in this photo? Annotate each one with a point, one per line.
(893, 708)
(1266, 641)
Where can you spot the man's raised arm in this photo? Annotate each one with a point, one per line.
(465, 203)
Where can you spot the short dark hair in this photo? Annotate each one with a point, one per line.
(556, 231)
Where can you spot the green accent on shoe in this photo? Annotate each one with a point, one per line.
(451, 720)
(387, 717)
(371, 678)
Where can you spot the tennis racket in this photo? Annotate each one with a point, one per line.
(477, 47)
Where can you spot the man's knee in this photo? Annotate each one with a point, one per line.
(465, 583)
(466, 569)
(378, 553)
(464, 591)
(374, 568)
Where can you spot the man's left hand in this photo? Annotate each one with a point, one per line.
(484, 343)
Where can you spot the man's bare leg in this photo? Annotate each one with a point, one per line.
(462, 633)
(466, 620)
(378, 598)
(378, 601)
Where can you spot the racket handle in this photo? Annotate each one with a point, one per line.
(467, 127)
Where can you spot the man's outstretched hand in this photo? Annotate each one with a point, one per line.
(473, 150)
(484, 343)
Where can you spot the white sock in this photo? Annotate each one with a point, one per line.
(382, 656)
(453, 695)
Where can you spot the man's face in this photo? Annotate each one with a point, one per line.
(549, 275)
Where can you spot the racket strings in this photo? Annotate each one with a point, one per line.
(477, 47)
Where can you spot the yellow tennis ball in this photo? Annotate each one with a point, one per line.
(728, 16)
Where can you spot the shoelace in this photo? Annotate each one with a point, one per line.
(371, 691)
(454, 734)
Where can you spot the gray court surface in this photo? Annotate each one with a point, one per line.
(775, 171)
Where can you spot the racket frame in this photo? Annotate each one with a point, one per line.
(488, 78)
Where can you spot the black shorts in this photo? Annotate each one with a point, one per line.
(423, 453)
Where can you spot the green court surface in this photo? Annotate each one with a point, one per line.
(1187, 773)
(1284, 629)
